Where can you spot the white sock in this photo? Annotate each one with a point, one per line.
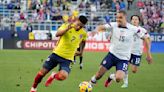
(125, 79)
(93, 79)
(113, 77)
(81, 64)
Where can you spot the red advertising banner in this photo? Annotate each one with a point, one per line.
(45, 45)
(97, 46)
(90, 45)
(39, 44)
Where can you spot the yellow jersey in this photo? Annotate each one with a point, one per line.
(69, 42)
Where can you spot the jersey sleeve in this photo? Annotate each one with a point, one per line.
(146, 34)
(109, 27)
(84, 37)
(141, 34)
(62, 27)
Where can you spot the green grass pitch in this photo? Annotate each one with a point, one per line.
(19, 67)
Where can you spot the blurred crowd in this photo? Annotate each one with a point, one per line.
(152, 14)
(26, 12)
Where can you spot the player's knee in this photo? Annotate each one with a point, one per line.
(134, 70)
(118, 79)
(62, 76)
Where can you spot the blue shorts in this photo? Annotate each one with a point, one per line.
(53, 60)
(111, 60)
(135, 60)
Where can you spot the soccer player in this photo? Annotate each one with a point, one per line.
(71, 35)
(122, 35)
(137, 50)
(79, 53)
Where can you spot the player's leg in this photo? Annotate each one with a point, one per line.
(134, 68)
(136, 63)
(47, 66)
(121, 68)
(63, 73)
(106, 64)
(125, 80)
(74, 59)
(81, 61)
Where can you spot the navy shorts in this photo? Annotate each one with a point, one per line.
(111, 60)
(135, 60)
(53, 60)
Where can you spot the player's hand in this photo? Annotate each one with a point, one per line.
(78, 53)
(149, 59)
(70, 26)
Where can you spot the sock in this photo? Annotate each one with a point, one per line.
(112, 76)
(37, 80)
(81, 59)
(126, 78)
(74, 59)
(93, 79)
(56, 76)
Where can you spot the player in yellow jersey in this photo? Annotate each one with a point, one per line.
(71, 35)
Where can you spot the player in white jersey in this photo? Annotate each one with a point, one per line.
(137, 49)
(120, 48)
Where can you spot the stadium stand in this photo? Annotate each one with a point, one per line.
(23, 15)
(152, 13)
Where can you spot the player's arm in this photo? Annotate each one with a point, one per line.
(147, 42)
(81, 46)
(145, 36)
(102, 28)
(63, 29)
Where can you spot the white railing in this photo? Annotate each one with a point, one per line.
(48, 25)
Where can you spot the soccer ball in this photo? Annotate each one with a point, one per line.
(85, 87)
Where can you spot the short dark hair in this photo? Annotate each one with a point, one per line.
(135, 16)
(122, 11)
(83, 19)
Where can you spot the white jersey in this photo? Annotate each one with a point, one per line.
(122, 39)
(137, 48)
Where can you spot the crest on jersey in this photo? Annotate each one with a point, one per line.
(81, 36)
(48, 59)
(104, 62)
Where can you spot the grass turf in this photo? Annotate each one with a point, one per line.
(19, 67)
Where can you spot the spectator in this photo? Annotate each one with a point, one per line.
(24, 26)
(6, 23)
(10, 6)
(34, 15)
(130, 2)
(117, 6)
(17, 6)
(31, 36)
(140, 4)
(41, 15)
(114, 4)
(47, 15)
(22, 16)
(16, 16)
(29, 27)
(122, 5)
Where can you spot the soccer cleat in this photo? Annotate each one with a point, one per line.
(124, 86)
(33, 89)
(108, 82)
(92, 83)
(50, 79)
(81, 66)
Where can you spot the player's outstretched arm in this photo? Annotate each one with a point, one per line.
(82, 45)
(99, 28)
(148, 52)
(62, 30)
